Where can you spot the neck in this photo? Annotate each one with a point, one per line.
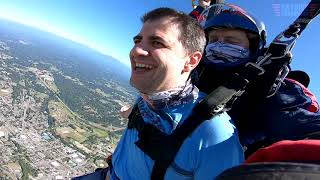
(170, 97)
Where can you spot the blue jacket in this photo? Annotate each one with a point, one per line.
(212, 148)
(291, 114)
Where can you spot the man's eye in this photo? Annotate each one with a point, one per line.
(232, 41)
(135, 41)
(158, 44)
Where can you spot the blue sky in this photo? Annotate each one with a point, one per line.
(109, 25)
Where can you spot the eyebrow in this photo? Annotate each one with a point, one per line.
(156, 38)
(151, 38)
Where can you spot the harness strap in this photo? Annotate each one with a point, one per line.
(161, 147)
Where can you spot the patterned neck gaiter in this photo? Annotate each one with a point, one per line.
(226, 54)
(153, 108)
(172, 97)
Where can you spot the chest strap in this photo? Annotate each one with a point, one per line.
(161, 147)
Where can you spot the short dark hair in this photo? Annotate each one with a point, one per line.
(192, 35)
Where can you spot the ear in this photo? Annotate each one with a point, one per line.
(192, 62)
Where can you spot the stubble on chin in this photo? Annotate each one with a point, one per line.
(139, 87)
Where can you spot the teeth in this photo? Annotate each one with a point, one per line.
(144, 66)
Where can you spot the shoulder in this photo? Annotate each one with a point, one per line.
(218, 129)
(213, 147)
(294, 94)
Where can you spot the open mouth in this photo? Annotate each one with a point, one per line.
(142, 67)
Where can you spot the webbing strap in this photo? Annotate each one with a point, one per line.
(162, 148)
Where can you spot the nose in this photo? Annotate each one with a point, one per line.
(221, 39)
(138, 50)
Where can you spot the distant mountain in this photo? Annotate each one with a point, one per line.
(60, 46)
(78, 70)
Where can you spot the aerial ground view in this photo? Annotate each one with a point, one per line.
(60, 105)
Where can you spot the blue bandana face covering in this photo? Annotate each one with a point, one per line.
(226, 54)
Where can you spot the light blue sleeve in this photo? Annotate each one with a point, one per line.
(212, 148)
(221, 151)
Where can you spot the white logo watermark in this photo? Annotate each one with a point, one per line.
(288, 9)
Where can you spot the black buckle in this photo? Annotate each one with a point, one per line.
(254, 67)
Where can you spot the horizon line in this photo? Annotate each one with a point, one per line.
(62, 34)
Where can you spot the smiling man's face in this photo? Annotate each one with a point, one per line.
(158, 57)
